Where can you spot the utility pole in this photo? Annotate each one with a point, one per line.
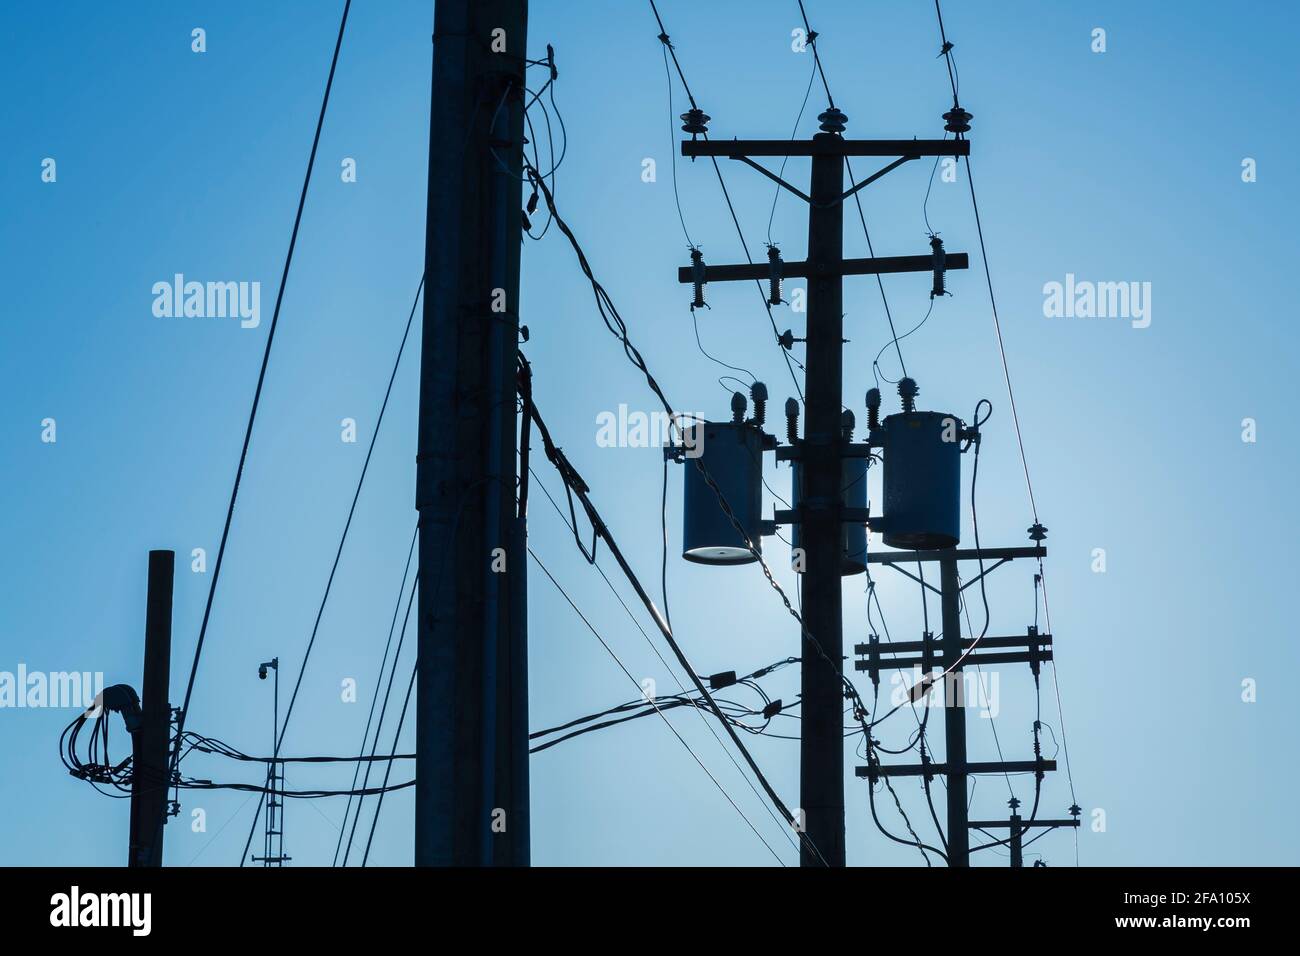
(954, 715)
(953, 655)
(821, 742)
(151, 743)
(1019, 826)
(471, 800)
(822, 512)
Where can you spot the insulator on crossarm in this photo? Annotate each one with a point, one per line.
(776, 268)
(758, 392)
(940, 266)
(957, 120)
(695, 122)
(907, 391)
(697, 278)
(873, 409)
(832, 121)
(847, 423)
(737, 407)
(791, 421)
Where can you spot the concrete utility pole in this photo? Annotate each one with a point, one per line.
(151, 743)
(822, 511)
(471, 800)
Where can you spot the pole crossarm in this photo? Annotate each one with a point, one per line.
(825, 146)
(956, 554)
(911, 647)
(1036, 649)
(881, 265)
(873, 773)
(971, 660)
(1020, 824)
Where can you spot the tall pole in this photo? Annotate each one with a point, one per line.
(151, 743)
(954, 717)
(821, 746)
(824, 446)
(471, 703)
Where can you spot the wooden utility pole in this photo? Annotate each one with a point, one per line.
(954, 715)
(471, 707)
(151, 742)
(953, 654)
(822, 512)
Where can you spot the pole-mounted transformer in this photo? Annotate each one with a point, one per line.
(922, 474)
(731, 454)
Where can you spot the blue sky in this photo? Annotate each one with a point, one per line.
(1116, 166)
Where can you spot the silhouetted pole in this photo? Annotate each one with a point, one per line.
(471, 717)
(152, 741)
(954, 717)
(822, 512)
(821, 742)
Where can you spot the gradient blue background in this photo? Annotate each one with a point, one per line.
(1119, 167)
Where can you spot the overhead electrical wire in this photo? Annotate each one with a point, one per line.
(790, 362)
(667, 667)
(347, 526)
(615, 324)
(812, 36)
(374, 699)
(257, 393)
(574, 485)
(953, 79)
(657, 709)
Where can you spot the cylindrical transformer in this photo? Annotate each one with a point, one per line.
(854, 486)
(922, 481)
(732, 453)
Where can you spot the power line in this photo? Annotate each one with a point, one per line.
(257, 394)
(383, 711)
(946, 52)
(609, 584)
(575, 485)
(726, 195)
(392, 627)
(347, 525)
(666, 721)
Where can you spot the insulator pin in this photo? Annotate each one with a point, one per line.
(758, 392)
(957, 120)
(873, 409)
(791, 421)
(940, 266)
(697, 279)
(907, 391)
(737, 408)
(695, 122)
(776, 268)
(832, 121)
